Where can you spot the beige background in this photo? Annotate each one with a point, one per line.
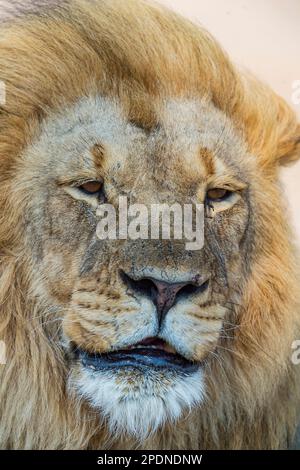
(263, 36)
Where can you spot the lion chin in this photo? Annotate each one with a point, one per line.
(138, 403)
(138, 389)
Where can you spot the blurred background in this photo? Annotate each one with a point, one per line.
(264, 37)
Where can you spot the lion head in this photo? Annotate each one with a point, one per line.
(138, 340)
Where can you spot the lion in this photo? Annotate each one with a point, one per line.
(133, 343)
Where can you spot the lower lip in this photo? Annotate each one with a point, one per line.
(137, 358)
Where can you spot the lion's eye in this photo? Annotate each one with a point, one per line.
(91, 187)
(218, 194)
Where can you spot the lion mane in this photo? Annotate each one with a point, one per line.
(51, 57)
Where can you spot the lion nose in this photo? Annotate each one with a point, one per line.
(165, 294)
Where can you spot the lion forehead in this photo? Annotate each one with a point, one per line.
(183, 127)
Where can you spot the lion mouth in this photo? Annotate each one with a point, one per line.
(150, 353)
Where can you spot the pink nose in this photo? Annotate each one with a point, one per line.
(165, 294)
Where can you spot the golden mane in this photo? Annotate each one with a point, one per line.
(134, 49)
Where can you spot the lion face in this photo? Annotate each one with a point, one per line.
(126, 334)
(141, 319)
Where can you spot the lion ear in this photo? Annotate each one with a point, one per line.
(271, 126)
(288, 131)
(289, 150)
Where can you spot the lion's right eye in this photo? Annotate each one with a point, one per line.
(218, 194)
(91, 187)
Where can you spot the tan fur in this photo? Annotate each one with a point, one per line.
(143, 55)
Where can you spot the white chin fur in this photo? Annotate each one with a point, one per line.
(138, 403)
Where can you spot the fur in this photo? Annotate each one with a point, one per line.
(141, 413)
(54, 61)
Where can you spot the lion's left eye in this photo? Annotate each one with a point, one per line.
(218, 194)
(91, 187)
